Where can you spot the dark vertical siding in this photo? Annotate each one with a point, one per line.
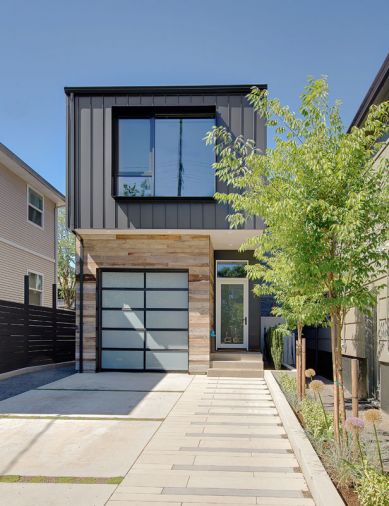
(91, 204)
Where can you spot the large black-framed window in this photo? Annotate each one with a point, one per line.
(161, 153)
(143, 320)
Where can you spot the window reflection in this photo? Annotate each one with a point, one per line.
(165, 157)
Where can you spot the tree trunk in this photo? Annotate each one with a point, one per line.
(342, 409)
(299, 360)
(334, 350)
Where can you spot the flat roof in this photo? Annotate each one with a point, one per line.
(163, 90)
(23, 170)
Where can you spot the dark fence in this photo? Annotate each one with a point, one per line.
(34, 335)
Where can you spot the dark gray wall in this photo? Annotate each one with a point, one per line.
(254, 300)
(89, 160)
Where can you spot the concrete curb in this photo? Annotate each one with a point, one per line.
(35, 368)
(319, 483)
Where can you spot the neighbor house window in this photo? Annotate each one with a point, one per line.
(35, 288)
(164, 156)
(35, 207)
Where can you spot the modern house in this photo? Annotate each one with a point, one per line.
(161, 284)
(28, 211)
(367, 338)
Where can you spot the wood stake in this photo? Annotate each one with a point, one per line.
(354, 385)
(303, 365)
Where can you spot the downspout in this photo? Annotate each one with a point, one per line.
(81, 305)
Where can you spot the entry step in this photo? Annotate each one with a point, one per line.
(235, 373)
(225, 364)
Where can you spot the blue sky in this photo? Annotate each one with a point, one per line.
(48, 44)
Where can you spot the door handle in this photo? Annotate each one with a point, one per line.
(245, 320)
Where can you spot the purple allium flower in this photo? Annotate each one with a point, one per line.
(354, 424)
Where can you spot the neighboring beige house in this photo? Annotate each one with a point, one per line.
(28, 217)
(367, 338)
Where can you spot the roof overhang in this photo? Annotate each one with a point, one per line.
(220, 239)
(377, 93)
(16, 165)
(224, 89)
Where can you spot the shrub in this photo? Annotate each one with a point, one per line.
(372, 488)
(275, 337)
(288, 385)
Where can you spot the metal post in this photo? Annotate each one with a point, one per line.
(26, 289)
(354, 385)
(54, 296)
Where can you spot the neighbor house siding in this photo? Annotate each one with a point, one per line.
(23, 246)
(91, 205)
(14, 264)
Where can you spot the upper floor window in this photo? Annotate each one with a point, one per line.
(35, 207)
(164, 156)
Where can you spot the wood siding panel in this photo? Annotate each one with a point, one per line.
(190, 252)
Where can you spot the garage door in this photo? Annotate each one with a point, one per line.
(143, 322)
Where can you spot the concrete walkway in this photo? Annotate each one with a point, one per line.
(222, 443)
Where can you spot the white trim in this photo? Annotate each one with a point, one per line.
(41, 227)
(235, 281)
(41, 291)
(14, 245)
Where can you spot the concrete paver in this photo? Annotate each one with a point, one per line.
(98, 448)
(50, 494)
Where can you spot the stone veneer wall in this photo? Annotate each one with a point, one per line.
(191, 252)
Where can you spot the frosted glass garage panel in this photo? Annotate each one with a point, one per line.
(167, 339)
(160, 299)
(124, 319)
(123, 298)
(122, 279)
(167, 280)
(122, 338)
(167, 361)
(167, 319)
(112, 359)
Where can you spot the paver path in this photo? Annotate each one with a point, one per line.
(222, 442)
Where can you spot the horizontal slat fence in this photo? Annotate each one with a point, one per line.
(34, 335)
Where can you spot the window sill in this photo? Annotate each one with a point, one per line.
(163, 199)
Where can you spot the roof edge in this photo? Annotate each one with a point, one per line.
(10, 154)
(162, 90)
(375, 88)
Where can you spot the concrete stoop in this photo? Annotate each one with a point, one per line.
(236, 365)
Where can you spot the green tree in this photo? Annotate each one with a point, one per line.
(66, 261)
(324, 205)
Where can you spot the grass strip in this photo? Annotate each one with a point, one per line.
(80, 480)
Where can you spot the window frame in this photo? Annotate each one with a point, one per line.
(42, 211)
(29, 271)
(153, 113)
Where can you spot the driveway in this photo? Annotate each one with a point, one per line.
(146, 438)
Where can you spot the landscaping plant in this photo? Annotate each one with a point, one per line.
(324, 200)
(275, 336)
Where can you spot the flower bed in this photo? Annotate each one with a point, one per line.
(356, 465)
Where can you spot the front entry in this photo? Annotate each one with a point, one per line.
(231, 306)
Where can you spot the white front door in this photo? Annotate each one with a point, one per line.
(231, 313)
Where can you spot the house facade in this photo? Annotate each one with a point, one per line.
(160, 280)
(28, 210)
(367, 337)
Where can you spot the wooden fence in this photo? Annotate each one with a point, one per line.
(35, 335)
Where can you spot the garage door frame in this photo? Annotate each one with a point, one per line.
(99, 309)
